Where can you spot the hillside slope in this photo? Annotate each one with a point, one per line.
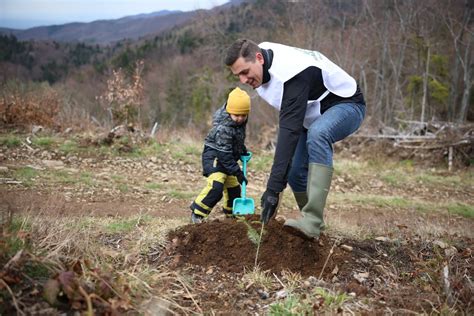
(106, 31)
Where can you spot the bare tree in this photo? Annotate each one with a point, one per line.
(462, 35)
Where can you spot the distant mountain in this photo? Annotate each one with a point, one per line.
(150, 15)
(234, 3)
(6, 30)
(106, 31)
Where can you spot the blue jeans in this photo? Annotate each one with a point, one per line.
(315, 144)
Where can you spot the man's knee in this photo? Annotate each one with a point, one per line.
(297, 180)
(319, 134)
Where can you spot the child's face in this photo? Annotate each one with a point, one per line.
(239, 118)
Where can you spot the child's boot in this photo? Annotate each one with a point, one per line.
(227, 212)
(196, 215)
(196, 218)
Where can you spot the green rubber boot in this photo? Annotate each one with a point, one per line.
(301, 199)
(309, 226)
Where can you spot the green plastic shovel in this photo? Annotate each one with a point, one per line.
(243, 205)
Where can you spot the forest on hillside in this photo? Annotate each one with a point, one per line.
(412, 59)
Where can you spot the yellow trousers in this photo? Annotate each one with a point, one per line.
(218, 184)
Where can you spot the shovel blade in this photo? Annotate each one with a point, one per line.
(243, 206)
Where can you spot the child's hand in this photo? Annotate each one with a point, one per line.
(241, 178)
(246, 155)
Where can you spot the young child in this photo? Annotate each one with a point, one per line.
(223, 146)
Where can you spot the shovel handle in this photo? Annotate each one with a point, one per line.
(244, 159)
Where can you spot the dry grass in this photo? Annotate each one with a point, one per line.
(291, 280)
(110, 251)
(256, 277)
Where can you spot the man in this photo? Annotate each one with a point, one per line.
(319, 104)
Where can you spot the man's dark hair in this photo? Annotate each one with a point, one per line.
(241, 48)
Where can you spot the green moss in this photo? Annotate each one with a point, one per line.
(16, 239)
(10, 141)
(122, 187)
(122, 226)
(430, 179)
(291, 305)
(181, 195)
(153, 186)
(69, 147)
(154, 149)
(333, 300)
(461, 209)
(43, 142)
(126, 225)
(26, 175)
(36, 270)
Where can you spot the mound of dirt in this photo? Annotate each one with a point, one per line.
(408, 273)
(228, 244)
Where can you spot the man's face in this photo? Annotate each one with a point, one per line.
(249, 72)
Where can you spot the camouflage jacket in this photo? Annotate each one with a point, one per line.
(224, 144)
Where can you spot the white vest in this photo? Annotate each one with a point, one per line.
(288, 62)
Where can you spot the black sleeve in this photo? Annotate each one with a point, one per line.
(244, 150)
(224, 138)
(227, 161)
(292, 113)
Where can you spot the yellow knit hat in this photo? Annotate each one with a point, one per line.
(238, 102)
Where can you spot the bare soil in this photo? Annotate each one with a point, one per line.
(225, 244)
(398, 268)
(390, 269)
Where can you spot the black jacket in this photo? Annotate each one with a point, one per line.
(224, 144)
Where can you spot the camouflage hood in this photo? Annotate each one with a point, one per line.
(225, 134)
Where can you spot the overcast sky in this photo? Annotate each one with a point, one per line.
(22, 14)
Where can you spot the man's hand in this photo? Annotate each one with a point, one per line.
(241, 178)
(269, 203)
